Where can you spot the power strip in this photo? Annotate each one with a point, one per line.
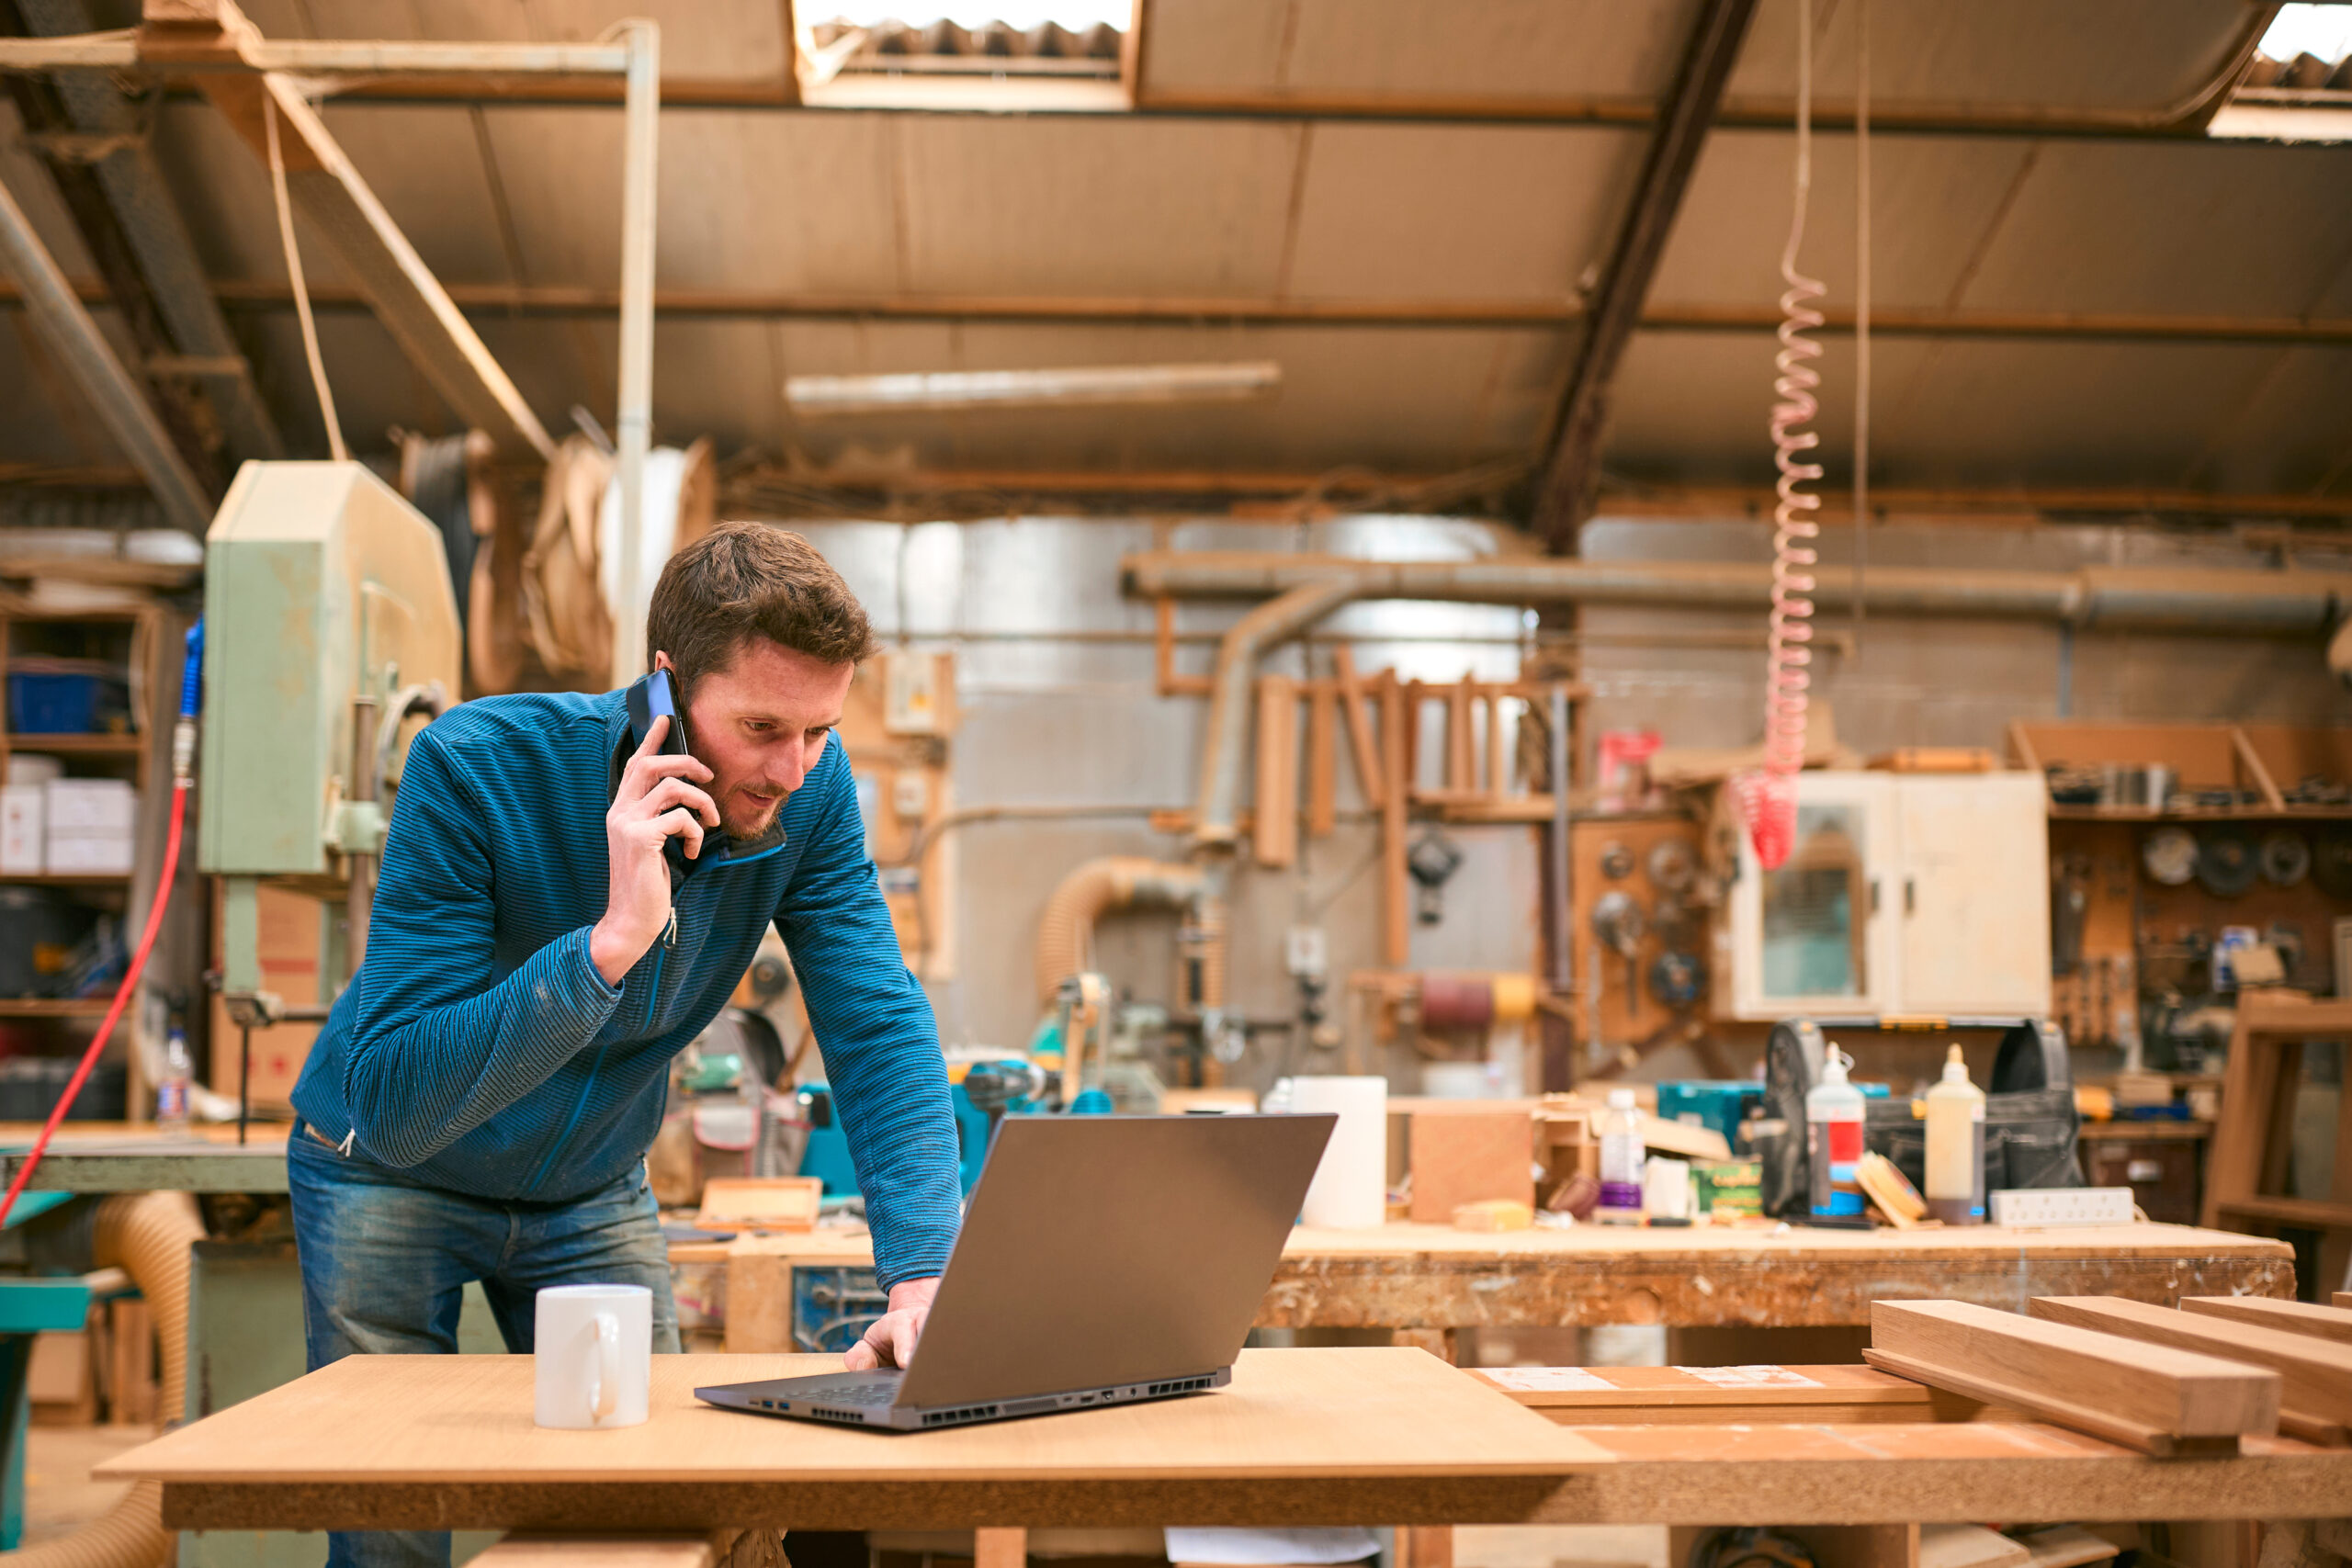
(2062, 1206)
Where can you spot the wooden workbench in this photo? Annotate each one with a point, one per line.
(1420, 1282)
(1303, 1437)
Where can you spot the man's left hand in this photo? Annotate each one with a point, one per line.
(890, 1341)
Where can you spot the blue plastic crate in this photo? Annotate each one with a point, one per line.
(44, 704)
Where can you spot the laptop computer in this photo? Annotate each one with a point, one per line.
(1103, 1260)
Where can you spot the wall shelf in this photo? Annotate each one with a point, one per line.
(54, 1006)
(81, 744)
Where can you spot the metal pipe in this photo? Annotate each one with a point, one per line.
(1227, 743)
(1564, 969)
(2260, 603)
(359, 897)
(67, 331)
(634, 425)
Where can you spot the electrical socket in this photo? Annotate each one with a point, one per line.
(2062, 1206)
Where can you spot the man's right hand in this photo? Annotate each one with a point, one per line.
(658, 799)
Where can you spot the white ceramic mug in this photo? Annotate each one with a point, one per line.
(591, 1356)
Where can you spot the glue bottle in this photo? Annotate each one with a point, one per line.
(1955, 1185)
(1621, 1161)
(1833, 1120)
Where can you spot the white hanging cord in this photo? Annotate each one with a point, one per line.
(1768, 796)
(301, 288)
(1861, 316)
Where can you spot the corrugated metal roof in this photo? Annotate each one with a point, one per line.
(1369, 210)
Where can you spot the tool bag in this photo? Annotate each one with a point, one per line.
(2029, 1117)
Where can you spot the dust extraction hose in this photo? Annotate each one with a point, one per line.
(147, 1235)
(1065, 930)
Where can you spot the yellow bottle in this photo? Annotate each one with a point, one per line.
(1955, 1184)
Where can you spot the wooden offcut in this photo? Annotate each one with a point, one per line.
(2290, 1317)
(760, 1204)
(2315, 1396)
(1275, 834)
(2158, 1401)
(1322, 760)
(1467, 1157)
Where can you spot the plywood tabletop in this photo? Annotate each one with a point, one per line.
(1338, 1413)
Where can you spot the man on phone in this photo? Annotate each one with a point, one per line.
(562, 905)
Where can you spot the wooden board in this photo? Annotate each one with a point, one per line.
(2290, 1317)
(2129, 1393)
(1274, 836)
(1301, 1413)
(1835, 1395)
(760, 1204)
(1468, 1156)
(2317, 1376)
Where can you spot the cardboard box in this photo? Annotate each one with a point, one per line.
(92, 806)
(90, 854)
(24, 835)
(289, 966)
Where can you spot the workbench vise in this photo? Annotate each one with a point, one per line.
(331, 638)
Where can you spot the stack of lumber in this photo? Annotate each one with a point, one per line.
(2168, 1381)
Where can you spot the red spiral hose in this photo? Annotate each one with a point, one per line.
(1768, 796)
(121, 999)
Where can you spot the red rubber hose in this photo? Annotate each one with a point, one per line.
(121, 999)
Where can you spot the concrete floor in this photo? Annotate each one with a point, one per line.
(60, 1496)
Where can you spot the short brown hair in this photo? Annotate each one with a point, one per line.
(747, 580)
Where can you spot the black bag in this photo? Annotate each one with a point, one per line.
(2029, 1117)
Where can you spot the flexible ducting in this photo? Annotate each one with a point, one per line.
(148, 1234)
(1065, 930)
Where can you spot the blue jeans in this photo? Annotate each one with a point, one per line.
(385, 1263)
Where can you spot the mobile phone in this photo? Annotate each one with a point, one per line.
(651, 696)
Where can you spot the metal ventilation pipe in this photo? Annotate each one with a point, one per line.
(1304, 589)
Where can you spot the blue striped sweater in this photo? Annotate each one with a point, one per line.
(478, 1050)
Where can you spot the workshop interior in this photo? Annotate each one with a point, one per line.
(1722, 629)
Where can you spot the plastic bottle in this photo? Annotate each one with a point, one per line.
(170, 1091)
(1833, 1122)
(1955, 1185)
(1621, 1161)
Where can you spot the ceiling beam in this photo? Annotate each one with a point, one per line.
(1571, 468)
(327, 190)
(561, 302)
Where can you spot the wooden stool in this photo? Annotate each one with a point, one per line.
(2254, 1136)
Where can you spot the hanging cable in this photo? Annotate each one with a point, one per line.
(294, 273)
(1861, 318)
(183, 772)
(1768, 796)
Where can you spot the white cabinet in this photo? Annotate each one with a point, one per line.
(1904, 894)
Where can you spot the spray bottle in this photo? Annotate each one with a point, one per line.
(1833, 1119)
(1621, 1149)
(1955, 1184)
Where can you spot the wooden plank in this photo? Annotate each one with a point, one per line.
(1322, 760)
(1370, 773)
(2315, 1401)
(2289, 1317)
(2155, 1401)
(1274, 836)
(1396, 894)
(1497, 759)
(1461, 769)
(1829, 1395)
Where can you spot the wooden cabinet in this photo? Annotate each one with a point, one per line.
(1905, 894)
